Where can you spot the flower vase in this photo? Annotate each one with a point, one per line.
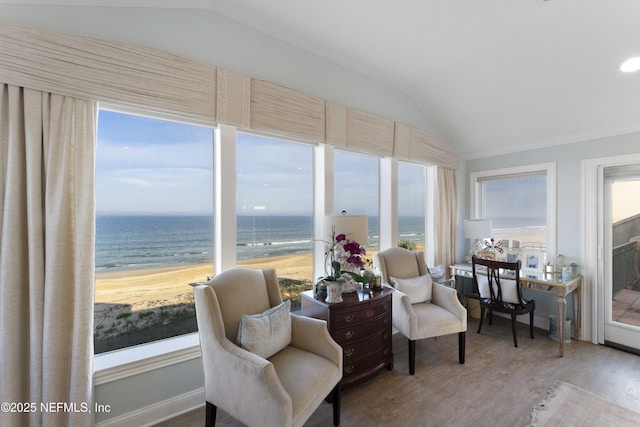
(334, 292)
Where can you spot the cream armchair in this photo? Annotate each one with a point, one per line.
(286, 388)
(421, 308)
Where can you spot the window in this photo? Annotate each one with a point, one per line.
(520, 202)
(274, 211)
(411, 205)
(154, 227)
(356, 186)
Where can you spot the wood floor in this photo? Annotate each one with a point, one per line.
(497, 386)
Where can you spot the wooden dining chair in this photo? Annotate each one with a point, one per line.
(500, 293)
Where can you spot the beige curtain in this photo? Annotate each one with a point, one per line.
(445, 217)
(47, 147)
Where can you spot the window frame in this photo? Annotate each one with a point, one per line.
(133, 360)
(549, 169)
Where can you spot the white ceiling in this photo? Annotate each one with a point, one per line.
(493, 75)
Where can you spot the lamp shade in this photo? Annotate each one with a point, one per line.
(355, 227)
(477, 228)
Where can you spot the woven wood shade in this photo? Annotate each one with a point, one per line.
(286, 112)
(141, 78)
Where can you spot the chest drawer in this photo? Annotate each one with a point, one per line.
(364, 314)
(356, 350)
(360, 331)
(361, 325)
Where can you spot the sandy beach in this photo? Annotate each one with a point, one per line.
(141, 289)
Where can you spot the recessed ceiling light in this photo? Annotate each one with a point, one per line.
(630, 65)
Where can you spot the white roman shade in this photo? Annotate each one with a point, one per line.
(133, 76)
(282, 111)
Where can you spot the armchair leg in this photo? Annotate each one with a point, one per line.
(210, 414)
(412, 357)
(531, 323)
(461, 346)
(513, 329)
(335, 395)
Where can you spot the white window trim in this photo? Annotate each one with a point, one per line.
(548, 168)
(134, 360)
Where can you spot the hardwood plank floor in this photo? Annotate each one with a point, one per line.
(497, 386)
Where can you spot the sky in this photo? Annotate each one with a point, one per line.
(151, 166)
(625, 200)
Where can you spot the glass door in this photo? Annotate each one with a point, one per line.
(621, 226)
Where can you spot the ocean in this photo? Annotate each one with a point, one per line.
(130, 242)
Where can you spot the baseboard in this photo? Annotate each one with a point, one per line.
(160, 411)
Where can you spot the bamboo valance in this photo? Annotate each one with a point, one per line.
(152, 81)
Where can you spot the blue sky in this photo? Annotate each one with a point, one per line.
(150, 166)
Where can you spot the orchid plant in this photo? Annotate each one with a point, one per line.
(346, 257)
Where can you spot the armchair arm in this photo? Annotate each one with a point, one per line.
(246, 385)
(312, 335)
(403, 314)
(447, 298)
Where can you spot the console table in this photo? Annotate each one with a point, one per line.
(549, 283)
(361, 324)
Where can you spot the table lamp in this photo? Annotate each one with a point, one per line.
(355, 227)
(476, 230)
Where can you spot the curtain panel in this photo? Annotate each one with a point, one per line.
(446, 214)
(47, 225)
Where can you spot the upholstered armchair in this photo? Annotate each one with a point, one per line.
(282, 389)
(421, 308)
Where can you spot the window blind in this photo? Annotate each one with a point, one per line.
(287, 112)
(414, 144)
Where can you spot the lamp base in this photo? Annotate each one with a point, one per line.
(476, 247)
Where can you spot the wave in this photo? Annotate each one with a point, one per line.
(285, 243)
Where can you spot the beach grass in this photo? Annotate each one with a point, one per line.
(143, 305)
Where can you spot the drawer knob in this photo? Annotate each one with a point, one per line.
(386, 320)
(349, 352)
(370, 313)
(386, 306)
(348, 369)
(348, 334)
(385, 351)
(349, 318)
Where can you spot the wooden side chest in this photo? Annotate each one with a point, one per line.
(361, 324)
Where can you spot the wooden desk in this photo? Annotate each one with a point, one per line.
(549, 283)
(361, 324)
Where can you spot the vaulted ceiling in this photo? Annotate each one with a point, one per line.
(493, 75)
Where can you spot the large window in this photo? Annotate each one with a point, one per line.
(154, 227)
(520, 202)
(411, 205)
(274, 210)
(356, 186)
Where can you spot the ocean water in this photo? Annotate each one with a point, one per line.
(130, 242)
